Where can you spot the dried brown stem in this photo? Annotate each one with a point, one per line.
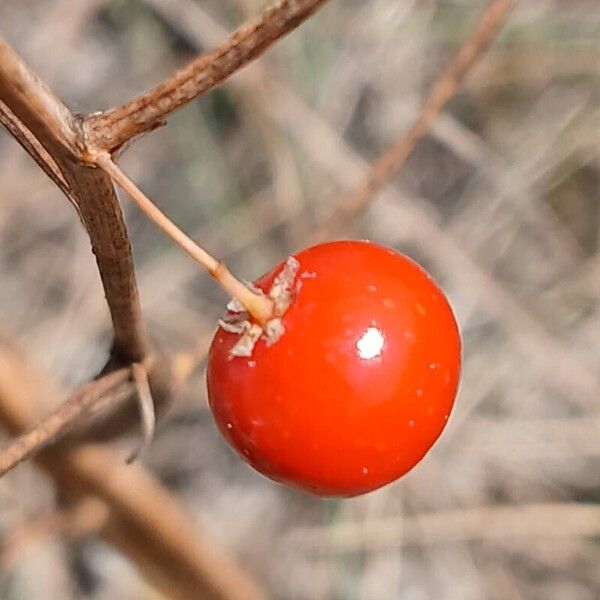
(112, 128)
(103, 219)
(31, 145)
(444, 88)
(36, 106)
(40, 120)
(89, 399)
(144, 521)
(146, 407)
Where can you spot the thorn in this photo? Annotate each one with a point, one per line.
(146, 407)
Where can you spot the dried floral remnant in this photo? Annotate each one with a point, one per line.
(281, 290)
(237, 320)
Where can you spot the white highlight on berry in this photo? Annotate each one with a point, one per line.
(370, 344)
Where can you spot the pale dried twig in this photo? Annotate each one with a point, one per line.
(90, 398)
(444, 88)
(32, 146)
(483, 523)
(259, 306)
(147, 524)
(146, 405)
(108, 130)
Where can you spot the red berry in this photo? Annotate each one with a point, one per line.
(358, 385)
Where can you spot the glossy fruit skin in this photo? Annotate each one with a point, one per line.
(360, 385)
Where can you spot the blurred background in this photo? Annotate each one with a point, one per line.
(500, 202)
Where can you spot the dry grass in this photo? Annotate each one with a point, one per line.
(500, 201)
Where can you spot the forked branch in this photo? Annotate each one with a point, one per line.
(52, 136)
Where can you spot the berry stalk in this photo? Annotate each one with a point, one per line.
(259, 307)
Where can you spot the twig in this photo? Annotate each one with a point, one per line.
(485, 523)
(31, 145)
(389, 163)
(89, 399)
(39, 115)
(110, 129)
(36, 106)
(146, 406)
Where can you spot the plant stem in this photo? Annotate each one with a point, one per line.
(110, 129)
(259, 307)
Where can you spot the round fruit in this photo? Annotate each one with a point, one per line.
(351, 382)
